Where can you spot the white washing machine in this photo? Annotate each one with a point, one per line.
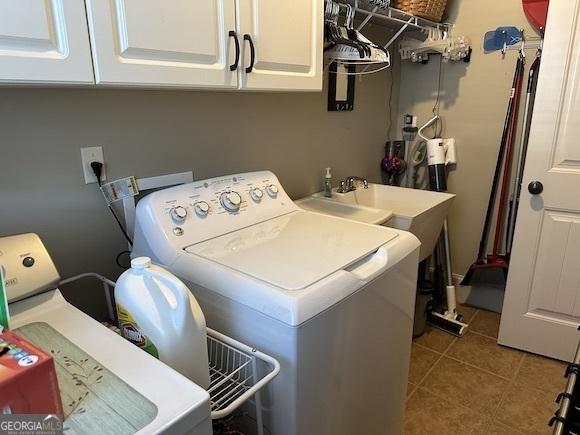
(331, 299)
(107, 384)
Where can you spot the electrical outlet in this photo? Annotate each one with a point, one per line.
(88, 155)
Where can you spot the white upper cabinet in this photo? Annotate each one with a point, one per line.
(44, 42)
(177, 43)
(287, 44)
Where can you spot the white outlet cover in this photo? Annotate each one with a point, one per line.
(88, 155)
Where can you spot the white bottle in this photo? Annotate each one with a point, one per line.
(158, 313)
(328, 184)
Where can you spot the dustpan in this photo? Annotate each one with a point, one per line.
(537, 12)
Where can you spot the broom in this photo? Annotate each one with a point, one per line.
(495, 261)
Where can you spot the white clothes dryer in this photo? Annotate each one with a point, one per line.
(107, 384)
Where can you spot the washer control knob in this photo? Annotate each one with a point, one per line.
(178, 214)
(231, 201)
(272, 190)
(256, 194)
(201, 208)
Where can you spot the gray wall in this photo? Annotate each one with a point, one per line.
(473, 104)
(146, 133)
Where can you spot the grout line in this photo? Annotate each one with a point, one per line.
(473, 318)
(428, 372)
(509, 385)
(485, 335)
(449, 345)
(415, 388)
(428, 348)
(479, 368)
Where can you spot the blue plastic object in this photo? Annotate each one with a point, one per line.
(500, 37)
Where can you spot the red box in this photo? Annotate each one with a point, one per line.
(28, 383)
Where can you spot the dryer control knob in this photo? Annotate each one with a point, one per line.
(178, 214)
(231, 201)
(256, 194)
(201, 208)
(272, 190)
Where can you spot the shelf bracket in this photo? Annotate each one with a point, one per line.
(398, 33)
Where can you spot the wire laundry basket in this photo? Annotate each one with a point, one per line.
(234, 378)
(429, 9)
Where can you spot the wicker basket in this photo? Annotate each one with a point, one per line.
(429, 9)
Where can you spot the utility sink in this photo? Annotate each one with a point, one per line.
(355, 212)
(420, 212)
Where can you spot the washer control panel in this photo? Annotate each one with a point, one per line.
(201, 210)
(26, 266)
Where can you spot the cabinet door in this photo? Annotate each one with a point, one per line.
(179, 43)
(44, 42)
(287, 39)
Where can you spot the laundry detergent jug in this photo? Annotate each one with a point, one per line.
(158, 313)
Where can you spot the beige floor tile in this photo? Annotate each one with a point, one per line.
(467, 312)
(422, 359)
(427, 413)
(466, 385)
(497, 428)
(543, 373)
(527, 409)
(485, 353)
(435, 339)
(486, 323)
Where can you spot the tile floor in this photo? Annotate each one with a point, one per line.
(471, 385)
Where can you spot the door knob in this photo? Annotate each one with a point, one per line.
(535, 187)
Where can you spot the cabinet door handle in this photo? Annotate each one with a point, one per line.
(252, 53)
(234, 66)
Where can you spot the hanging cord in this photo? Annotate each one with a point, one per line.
(438, 126)
(390, 105)
(97, 168)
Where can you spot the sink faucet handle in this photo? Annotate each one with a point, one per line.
(341, 187)
(365, 184)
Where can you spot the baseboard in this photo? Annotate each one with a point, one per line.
(488, 298)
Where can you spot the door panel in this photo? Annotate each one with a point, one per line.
(288, 44)
(44, 42)
(179, 43)
(542, 302)
(554, 289)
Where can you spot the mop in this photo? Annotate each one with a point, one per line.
(440, 153)
(495, 262)
(523, 148)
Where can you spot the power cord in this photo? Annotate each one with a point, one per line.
(97, 168)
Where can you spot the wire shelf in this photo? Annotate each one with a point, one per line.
(233, 374)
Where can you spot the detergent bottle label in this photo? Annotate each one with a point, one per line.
(130, 330)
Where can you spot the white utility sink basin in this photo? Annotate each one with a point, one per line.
(353, 212)
(420, 212)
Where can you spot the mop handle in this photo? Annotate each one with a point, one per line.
(508, 158)
(521, 161)
(498, 165)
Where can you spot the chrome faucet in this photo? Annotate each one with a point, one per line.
(349, 184)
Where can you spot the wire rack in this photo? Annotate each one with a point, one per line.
(233, 369)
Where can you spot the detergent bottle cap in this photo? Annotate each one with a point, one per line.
(328, 173)
(140, 263)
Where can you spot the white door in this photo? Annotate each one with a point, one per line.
(44, 42)
(177, 43)
(542, 302)
(287, 41)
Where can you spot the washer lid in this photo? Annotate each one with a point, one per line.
(295, 250)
